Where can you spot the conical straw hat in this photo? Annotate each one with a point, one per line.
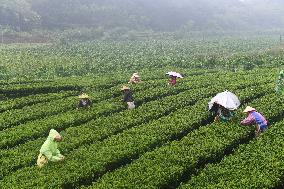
(83, 96)
(125, 88)
(249, 109)
(135, 75)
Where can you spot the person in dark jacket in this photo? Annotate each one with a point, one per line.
(221, 113)
(85, 101)
(128, 98)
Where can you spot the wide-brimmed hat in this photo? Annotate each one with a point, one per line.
(54, 134)
(135, 75)
(125, 88)
(83, 96)
(249, 109)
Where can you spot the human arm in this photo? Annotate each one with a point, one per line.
(90, 103)
(126, 96)
(131, 80)
(80, 104)
(53, 158)
(248, 120)
(58, 154)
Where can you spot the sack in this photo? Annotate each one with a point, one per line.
(41, 160)
(131, 105)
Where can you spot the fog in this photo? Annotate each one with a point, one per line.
(142, 15)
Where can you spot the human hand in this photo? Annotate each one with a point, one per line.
(62, 158)
(216, 118)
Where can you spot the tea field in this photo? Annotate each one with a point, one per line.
(168, 141)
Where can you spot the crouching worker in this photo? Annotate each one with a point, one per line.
(135, 78)
(173, 80)
(221, 113)
(49, 151)
(253, 117)
(128, 97)
(85, 101)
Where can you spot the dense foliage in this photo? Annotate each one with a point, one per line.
(168, 141)
(97, 58)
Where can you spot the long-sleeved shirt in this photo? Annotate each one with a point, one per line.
(49, 147)
(84, 103)
(134, 79)
(173, 81)
(254, 117)
(225, 114)
(128, 96)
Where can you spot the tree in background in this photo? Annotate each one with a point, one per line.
(18, 15)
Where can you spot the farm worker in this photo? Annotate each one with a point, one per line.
(135, 78)
(173, 80)
(85, 101)
(49, 151)
(221, 113)
(173, 77)
(280, 83)
(128, 97)
(253, 117)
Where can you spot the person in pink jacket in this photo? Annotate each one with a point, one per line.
(173, 80)
(253, 117)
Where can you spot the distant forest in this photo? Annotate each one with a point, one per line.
(142, 15)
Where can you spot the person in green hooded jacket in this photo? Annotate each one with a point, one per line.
(49, 151)
(280, 83)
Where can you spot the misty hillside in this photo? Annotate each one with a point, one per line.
(141, 15)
